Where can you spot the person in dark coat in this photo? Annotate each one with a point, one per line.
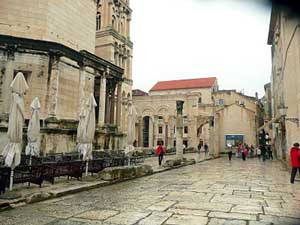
(295, 157)
(160, 152)
(206, 149)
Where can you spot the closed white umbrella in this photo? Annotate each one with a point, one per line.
(12, 151)
(86, 130)
(33, 133)
(81, 132)
(132, 114)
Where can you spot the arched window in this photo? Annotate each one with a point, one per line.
(113, 22)
(98, 21)
(122, 29)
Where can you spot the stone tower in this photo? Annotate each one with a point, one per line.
(113, 44)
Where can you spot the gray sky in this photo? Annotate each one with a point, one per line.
(182, 39)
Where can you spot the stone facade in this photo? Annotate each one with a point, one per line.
(236, 118)
(209, 116)
(55, 53)
(284, 36)
(113, 44)
(157, 116)
(69, 22)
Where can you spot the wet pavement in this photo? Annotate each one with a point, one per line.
(212, 192)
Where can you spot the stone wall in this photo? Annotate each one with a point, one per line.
(238, 120)
(69, 22)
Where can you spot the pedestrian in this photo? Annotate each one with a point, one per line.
(295, 157)
(206, 149)
(239, 150)
(263, 152)
(160, 152)
(251, 151)
(243, 149)
(258, 152)
(229, 151)
(199, 147)
(270, 153)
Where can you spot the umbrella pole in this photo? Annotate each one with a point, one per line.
(30, 159)
(128, 160)
(11, 179)
(86, 168)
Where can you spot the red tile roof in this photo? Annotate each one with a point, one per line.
(184, 84)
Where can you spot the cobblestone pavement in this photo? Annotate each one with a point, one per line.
(213, 192)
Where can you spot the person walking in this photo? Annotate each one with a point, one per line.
(199, 147)
(295, 157)
(263, 152)
(239, 150)
(243, 149)
(258, 152)
(206, 149)
(251, 151)
(229, 151)
(160, 152)
(270, 153)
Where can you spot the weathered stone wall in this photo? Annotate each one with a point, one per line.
(69, 22)
(35, 68)
(285, 80)
(235, 119)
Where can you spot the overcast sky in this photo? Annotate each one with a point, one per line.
(182, 39)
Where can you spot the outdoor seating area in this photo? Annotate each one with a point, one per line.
(55, 165)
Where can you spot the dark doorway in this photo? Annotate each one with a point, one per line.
(146, 131)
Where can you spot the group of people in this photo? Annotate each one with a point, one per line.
(161, 151)
(205, 146)
(244, 151)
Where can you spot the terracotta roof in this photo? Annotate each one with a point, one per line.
(184, 84)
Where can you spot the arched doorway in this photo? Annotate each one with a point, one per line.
(146, 131)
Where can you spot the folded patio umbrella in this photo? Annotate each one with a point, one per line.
(33, 132)
(12, 151)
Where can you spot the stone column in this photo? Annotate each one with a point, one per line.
(53, 86)
(150, 132)
(119, 105)
(211, 136)
(112, 108)
(166, 133)
(179, 130)
(155, 133)
(81, 98)
(8, 76)
(102, 101)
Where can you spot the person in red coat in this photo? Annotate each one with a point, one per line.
(160, 151)
(295, 157)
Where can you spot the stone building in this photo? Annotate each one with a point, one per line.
(237, 118)
(64, 58)
(157, 111)
(210, 116)
(284, 38)
(113, 44)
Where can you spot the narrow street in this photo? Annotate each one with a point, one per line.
(213, 192)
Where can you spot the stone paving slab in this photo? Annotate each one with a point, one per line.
(186, 219)
(215, 221)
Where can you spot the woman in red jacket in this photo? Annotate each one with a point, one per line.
(295, 157)
(160, 151)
